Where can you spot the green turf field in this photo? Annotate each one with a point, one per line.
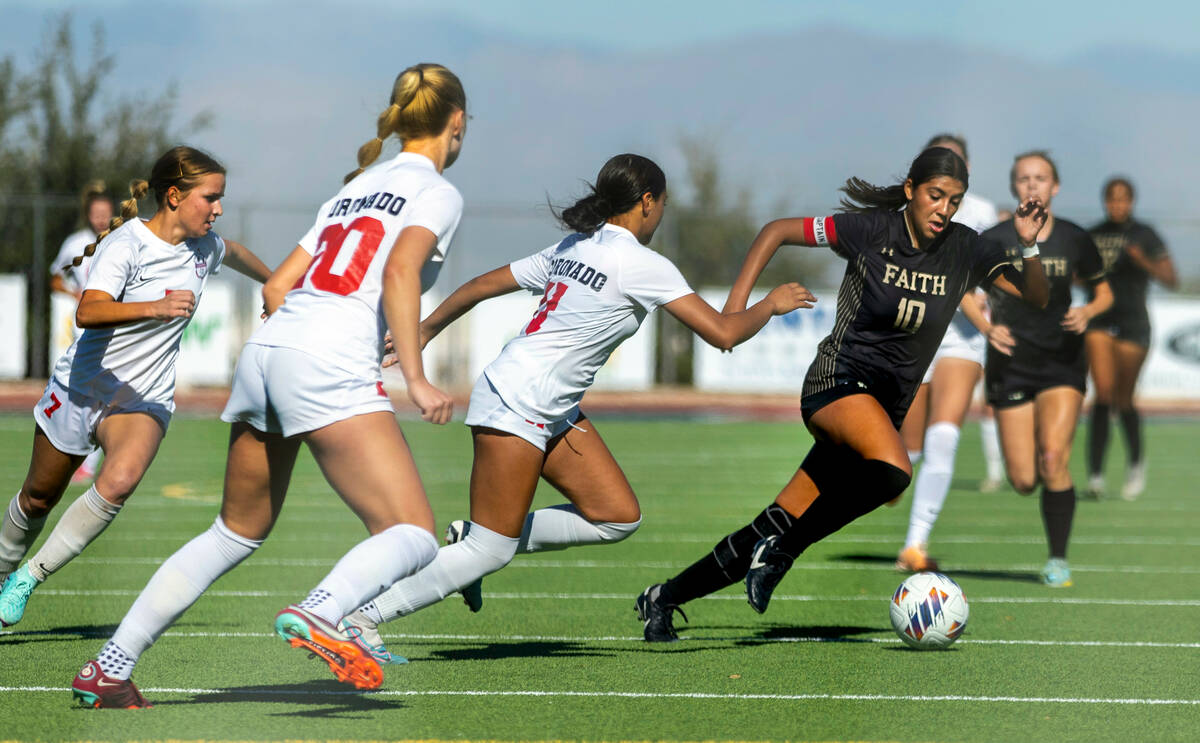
(557, 654)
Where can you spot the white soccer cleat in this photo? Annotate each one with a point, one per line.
(1135, 482)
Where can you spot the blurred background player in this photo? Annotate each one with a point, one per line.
(1119, 339)
(311, 374)
(908, 268)
(598, 285)
(1036, 366)
(114, 388)
(66, 278)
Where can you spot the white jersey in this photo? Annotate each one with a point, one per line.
(335, 313)
(135, 362)
(979, 214)
(597, 289)
(72, 247)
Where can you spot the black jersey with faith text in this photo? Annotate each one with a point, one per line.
(894, 303)
(1067, 254)
(1127, 280)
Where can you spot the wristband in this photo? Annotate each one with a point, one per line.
(1030, 252)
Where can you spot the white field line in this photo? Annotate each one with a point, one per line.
(412, 637)
(540, 564)
(527, 596)
(649, 695)
(354, 531)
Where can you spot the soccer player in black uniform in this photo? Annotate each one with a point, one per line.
(1036, 366)
(906, 273)
(1118, 340)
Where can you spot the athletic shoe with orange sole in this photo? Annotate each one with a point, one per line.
(94, 689)
(349, 663)
(915, 559)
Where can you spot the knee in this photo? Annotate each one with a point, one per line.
(613, 531)
(117, 481)
(37, 501)
(889, 479)
(1022, 484)
(1052, 462)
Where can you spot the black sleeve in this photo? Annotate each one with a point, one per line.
(1151, 244)
(855, 231)
(991, 260)
(1089, 266)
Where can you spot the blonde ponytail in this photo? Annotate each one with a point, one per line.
(424, 97)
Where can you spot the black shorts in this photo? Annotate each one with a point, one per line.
(1131, 327)
(1011, 381)
(888, 399)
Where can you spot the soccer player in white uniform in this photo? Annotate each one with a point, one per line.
(597, 285)
(932, 426)
(312, 374)
(114, 388)
(70, 280)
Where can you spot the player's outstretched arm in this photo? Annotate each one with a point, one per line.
(244, 261)
(485, 286)
(726, 330)
(793, 231)
(98, 309)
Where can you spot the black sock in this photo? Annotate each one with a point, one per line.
(1131, 422)
(1058, 511)
(1097, 438)
(850, 487)
(728, 562)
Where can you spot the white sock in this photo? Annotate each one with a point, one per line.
(915, 456)
(177, 584)
(82, 522)
(370, 567)
(18, 532)
(559, 527)
(991, 448)
(481, 552)
(115, 662)
(933, 481)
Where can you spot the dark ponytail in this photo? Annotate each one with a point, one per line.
(619, 188)
(862, 196)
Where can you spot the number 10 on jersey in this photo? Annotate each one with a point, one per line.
(910, 315)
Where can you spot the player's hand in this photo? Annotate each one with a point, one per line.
(1076, 320)
(1002, 339)
(791, 296)
(1029, 219)
(1135, 252)
(435, 406)
(177, 303)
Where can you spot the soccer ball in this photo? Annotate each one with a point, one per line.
(929, 611)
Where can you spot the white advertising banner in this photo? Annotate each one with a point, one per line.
(1172, 370)
(207, 353)
(776, 359)
(12, 326)
(495, 321)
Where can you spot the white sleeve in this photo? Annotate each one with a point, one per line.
(652, 280)
(308, 243)
(437, 210)
(218, 253)
(113, 264)
(533, 273)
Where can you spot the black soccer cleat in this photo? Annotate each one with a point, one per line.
(767, 567)
(657, 615)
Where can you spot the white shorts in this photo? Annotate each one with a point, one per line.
(289, 392)
(70, 419)
(957, 344)
(488, 409)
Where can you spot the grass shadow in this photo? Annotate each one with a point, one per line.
(1012, 576)
(57, 634)
(332, 699)
(817, 633)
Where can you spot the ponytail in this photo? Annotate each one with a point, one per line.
(619, 187)
(424, 97)
(862, 196)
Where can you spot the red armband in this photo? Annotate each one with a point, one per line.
(819, 232)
